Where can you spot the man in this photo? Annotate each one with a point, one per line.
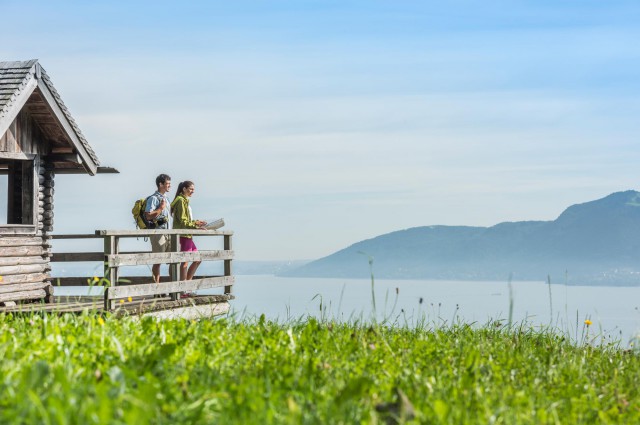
(158, 210)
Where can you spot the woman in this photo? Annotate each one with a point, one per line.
(182, 219)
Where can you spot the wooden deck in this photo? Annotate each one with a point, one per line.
(138, 295)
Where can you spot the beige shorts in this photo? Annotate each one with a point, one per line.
(160, 243)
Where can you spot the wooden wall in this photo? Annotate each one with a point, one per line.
(25, 251)
(23, 136)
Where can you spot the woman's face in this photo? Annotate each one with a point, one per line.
(188, 191)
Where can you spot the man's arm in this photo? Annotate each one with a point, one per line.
(154, 210)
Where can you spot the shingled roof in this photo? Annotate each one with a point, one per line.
(26, 81)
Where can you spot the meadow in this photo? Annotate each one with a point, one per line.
(93, 369)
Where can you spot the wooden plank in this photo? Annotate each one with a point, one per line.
(110, 272)
(23, 295)
(168, 287)
(174, 268)
(193, 312)
(77, 256)
(80, 305)
(73, 158)
(71, 307)
(143, 305)
(75, 281)
(76, 237)
(141, 233)
(25, 278)
(17, 251)
(21, 156)
(108, 170)
(119, 260)
(227, 263)
(18, 229)
(19, 261)
(19, 287)
(122, 280)
(48, 289)
(25, 241)
(66, 171)
(29, 192)
(23, 269)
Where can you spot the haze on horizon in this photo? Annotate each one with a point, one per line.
(310, 126)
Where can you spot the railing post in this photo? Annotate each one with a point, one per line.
(110, 273)
(227, 263)
(174, 268)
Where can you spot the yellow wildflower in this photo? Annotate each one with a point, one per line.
(129, 299)
(588, 322)
(95, 279)
(121, 301)
(0, 279)
(100, 321)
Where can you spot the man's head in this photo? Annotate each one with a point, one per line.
(163, 182)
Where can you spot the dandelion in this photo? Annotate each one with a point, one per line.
(129, 299)
(588, 322)
(121, 301)
(95, 279)
(101, 321)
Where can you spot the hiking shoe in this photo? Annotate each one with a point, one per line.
(187, 295)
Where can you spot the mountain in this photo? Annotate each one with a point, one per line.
(597, 242)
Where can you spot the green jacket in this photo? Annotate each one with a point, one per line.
(181, 214)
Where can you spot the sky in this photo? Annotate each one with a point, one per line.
(311, 125)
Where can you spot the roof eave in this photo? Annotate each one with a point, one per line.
(87, 161)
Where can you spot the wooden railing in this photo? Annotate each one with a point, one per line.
(121, 287)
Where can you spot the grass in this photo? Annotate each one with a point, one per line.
(92, 369)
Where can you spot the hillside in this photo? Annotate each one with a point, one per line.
(597, 242)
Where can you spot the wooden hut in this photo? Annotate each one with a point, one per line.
(38, 139)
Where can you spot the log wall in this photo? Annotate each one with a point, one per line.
(25, 254)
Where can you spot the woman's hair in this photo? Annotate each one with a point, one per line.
(179, 190)
(182, 186)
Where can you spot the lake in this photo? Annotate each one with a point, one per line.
(614, 311)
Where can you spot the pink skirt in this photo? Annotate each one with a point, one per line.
(187, 245)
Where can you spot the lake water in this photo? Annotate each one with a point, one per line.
(614, 311)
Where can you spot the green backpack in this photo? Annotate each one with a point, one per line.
(138, 214)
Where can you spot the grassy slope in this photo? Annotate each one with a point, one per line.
(89, 370)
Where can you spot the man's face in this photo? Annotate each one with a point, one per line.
(164, 187)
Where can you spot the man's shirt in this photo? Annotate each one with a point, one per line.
(153, 203)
